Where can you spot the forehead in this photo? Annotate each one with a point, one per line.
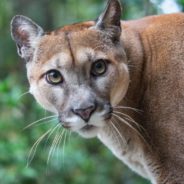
(71, 42)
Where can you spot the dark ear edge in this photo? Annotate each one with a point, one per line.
(110, 19)
(25, 32)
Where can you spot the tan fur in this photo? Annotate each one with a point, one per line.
(146, 73)
(157, 77)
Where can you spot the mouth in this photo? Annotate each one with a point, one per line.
(88, 127)
(84, 128)
(66, 126)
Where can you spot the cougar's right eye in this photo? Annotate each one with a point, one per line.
(54, 77)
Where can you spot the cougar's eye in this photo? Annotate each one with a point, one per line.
(54, 77)
(99, 67)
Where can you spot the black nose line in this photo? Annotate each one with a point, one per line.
(111, 109)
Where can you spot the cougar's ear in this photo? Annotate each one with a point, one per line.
(110, 19)
(25, 33)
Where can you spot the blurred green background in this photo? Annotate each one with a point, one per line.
(76, 160)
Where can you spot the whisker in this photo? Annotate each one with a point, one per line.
(35, 122)
(129, 118)
(128, 124)
(69, 137)
(34, 147)
(59, 142)
(131, 108)
(116, 129)
(64, 143)
(124, 121)
(53, 142)
(50, 134)
(140, 127)
(23, 95)
(131, 66)
(47, 122)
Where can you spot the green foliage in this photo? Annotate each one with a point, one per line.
(84, 161)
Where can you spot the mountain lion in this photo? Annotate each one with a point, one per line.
(121, 81)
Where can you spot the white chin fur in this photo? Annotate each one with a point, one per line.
(77, 125)
(88, 133)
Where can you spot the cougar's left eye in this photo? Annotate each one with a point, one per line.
(54, 77)
(99, 67)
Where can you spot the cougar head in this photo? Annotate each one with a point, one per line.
(79, 71)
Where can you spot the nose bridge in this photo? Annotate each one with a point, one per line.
(83, 103)
(82, 97)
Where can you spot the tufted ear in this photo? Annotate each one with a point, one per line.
(110, 20)
(25, 33)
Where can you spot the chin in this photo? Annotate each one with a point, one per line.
(88, 132)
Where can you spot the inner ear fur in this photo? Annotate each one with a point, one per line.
(110, 20)
(25, 33)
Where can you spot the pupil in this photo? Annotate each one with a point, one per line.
(54, 75)
(99, 66)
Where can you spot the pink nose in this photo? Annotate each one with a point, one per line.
(86, 113)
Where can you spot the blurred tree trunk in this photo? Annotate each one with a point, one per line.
(148, 7)
(44, 6)
(48, 14)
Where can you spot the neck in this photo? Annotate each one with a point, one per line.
(123, 135)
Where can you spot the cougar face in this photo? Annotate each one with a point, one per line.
(78, 72)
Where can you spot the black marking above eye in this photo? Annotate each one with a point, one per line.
(54, 77)
(99, 67)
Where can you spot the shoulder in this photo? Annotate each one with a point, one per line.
(155, 21)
